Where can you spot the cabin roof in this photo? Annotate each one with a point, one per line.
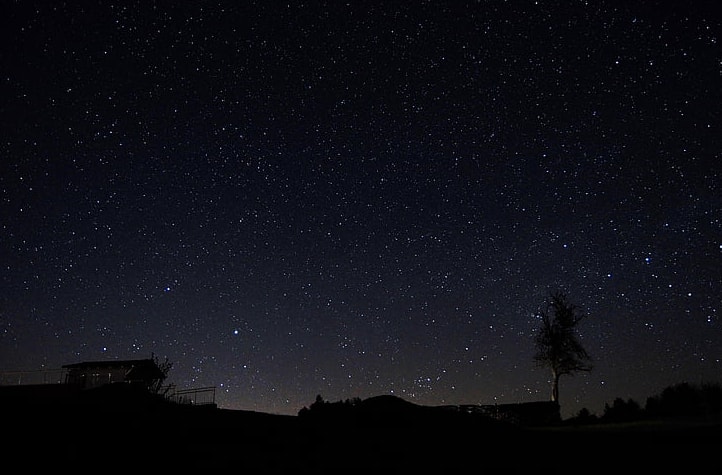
(110, 364)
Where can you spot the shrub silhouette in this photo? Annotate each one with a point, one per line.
(622, 411)
(678, 400)
(584, 417)
(686, 399)
(321, 409)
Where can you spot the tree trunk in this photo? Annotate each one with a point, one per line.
(555, 386)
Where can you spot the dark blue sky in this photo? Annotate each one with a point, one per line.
(363, 198)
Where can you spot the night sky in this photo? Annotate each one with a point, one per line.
(362, 198)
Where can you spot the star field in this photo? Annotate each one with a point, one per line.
(354, 198)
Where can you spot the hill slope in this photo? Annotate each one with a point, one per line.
(380, 435)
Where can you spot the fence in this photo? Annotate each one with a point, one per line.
(196, 396)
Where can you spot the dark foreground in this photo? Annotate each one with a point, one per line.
(159, 439)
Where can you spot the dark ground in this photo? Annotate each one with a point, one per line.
(149, 438)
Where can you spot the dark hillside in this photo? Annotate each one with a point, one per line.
(377, 435)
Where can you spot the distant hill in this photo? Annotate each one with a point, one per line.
(387, 403)
(390, 409)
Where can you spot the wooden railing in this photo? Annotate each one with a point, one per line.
(196, 396)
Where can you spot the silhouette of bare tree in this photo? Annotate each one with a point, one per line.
(558, 347)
